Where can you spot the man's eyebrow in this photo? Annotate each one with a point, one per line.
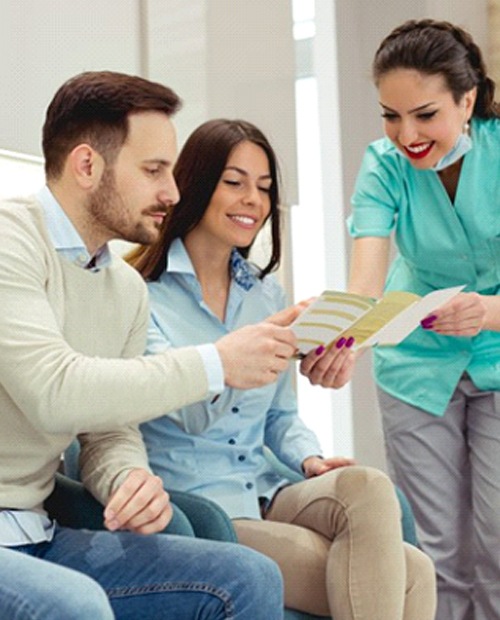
(244, 172)
(159, 161)
(417, 109)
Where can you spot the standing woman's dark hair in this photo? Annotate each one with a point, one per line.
(197, 171)
(437, 47)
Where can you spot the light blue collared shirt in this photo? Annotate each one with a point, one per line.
(215, 447)
(65, 238)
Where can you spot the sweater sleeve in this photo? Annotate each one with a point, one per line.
(107, 458)
(57, 388)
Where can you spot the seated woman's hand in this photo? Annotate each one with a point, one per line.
(315, 465)
(332, 367)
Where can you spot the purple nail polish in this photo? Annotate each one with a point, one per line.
(350, 342)
(428, 321)
(340, 343)
(320, 350)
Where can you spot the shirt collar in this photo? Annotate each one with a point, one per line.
(242, 272)
(65, 237)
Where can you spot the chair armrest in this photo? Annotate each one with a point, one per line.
(71, 505)
(207, 518)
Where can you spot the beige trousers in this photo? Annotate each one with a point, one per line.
(337, 539)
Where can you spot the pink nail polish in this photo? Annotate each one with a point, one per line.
(340, 343)
(350, 342)
(320, 350)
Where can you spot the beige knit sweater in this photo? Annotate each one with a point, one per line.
(70, 342)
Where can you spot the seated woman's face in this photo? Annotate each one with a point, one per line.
(240, 203)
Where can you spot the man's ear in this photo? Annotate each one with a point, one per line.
(86, 166)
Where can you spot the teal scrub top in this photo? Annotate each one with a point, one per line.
(440, 244)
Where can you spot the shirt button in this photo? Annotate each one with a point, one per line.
(242, 457)
(249, 485)
(232, 442)
(235, 409)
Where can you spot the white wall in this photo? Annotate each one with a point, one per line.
(44, 43)
(230, 59)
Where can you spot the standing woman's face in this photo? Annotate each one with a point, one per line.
(420, 115)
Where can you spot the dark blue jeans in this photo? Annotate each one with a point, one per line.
(169, 577)
(35, 590)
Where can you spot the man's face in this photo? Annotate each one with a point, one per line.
(136, 192)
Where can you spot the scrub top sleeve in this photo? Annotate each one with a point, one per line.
(375, 198)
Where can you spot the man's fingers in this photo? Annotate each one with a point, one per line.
(140, 493)
(251, 356)
(285, 317)
(154, 517)
(124, 493)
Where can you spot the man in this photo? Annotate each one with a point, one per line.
(72, 331)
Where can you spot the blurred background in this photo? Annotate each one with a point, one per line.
(299, 69)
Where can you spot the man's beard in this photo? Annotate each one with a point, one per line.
(108, 211)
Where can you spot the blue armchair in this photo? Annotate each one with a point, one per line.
(73, 506)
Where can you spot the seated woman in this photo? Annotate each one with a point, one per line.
(336, 536)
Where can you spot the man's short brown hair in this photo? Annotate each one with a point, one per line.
(94, 107)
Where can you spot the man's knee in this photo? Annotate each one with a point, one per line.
(86, 601)
(94, 604)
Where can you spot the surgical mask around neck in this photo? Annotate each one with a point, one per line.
(462, 146)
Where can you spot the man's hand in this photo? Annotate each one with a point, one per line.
(288, 315)
(255, 354)
(315, 466)
(331, 368)
(140, 504)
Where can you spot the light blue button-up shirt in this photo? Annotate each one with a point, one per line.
(215, 447)
(440, 244)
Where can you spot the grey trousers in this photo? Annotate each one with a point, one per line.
(449, 468)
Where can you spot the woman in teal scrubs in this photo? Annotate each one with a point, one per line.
(434, 182)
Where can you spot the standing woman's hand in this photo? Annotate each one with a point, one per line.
(464, 315)
(332, 367)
